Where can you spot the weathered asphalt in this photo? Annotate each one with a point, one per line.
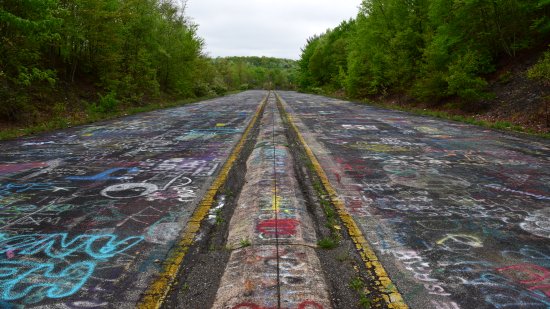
(87, 215)
(458, 215)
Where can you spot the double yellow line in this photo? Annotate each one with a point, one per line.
(156, 294)
(384, 285)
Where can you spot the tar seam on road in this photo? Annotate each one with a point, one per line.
(275, 201)
(157, 292)
(384, 286)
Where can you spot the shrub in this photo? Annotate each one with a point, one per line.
(106, 104)
(541, 70)
(463, 77)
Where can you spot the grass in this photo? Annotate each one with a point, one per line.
(245, 243)
(327, 243)
(227, 192)
(185, 287)
(331, 216)
(498, 125)
(219, 218)
(66, 121)
(358, 285)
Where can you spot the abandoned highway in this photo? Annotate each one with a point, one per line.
(265, 200)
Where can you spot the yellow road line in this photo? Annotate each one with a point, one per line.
(384, 285)
(157, 292)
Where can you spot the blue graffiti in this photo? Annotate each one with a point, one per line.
(18, 279)
(7, 189)
(5, 305)
(58, 245)
(106, 175)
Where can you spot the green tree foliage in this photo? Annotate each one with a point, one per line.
(256, 72)
(127, 51)
(427, 49)
(324, 58)
(541, 70)
(134, 48)
(27, 28)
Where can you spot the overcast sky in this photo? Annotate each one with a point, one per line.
(273, 28)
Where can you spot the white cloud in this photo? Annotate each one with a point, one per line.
(265, 27)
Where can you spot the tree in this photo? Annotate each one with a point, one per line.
(27, 28)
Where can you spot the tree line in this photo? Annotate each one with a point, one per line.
(115, 53)
(242, 73)
(428, 50)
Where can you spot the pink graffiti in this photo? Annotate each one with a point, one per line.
(10, 254)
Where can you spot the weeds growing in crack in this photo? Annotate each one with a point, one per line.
(219, 218)
(331, 216)
(245, 243)
(327, 243)
(227, 192)
(358, 285)
(185, 287)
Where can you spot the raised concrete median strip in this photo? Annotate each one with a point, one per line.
(273, 263)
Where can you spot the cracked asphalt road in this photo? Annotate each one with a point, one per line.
(87, 215)
(458, 215)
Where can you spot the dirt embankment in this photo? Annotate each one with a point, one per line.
(518, 99)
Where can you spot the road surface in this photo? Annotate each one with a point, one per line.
(458, 215)
(87, 215)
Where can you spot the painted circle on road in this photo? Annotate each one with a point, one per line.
(129, 190)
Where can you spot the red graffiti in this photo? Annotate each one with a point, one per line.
(355, 206)
(337, 177)
(278, 227)
(529, 274)
(308, 304)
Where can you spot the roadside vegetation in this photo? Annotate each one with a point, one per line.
(66, 62)
(435, 54)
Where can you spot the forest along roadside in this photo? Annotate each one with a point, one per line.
(457, 214)
(266, 248)
(87, 215)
